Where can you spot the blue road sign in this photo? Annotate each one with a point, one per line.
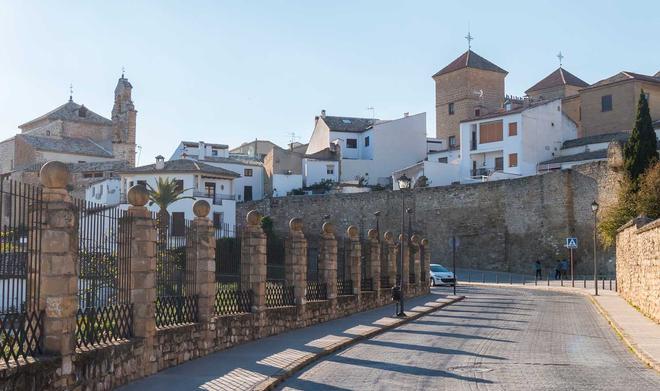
(571, 243)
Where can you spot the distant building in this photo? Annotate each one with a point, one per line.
(257, 149)
(558, 84)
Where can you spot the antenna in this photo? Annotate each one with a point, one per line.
(373, 112)
(292, 138)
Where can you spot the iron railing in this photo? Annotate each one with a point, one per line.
(176, 287)
(411, 278)
(385, 282)
(316, 291)
(104, 268)
(313, 253)
(344, 287)
(21, 322)
(231, 300)
(367, 284)
(228, 254)
(275, 256)
(279, 295)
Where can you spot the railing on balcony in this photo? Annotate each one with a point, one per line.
(215, 198)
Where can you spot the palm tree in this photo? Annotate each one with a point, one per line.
(165, 194)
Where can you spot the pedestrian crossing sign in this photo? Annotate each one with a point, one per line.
(571, 243)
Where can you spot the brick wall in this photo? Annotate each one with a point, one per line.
(503, 225)
(638, 265)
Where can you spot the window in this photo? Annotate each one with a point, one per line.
(499, 164)
(210, 189)
(490, 132)
(178, 224)
(217, 219)
(351, 143)
(179, 185)
(513, 160)
(141, 182)
(452, 142)
(442, 160)
(330, 169)
(477, 112)
(450, 107)
(247, 172)
(606, 103)
(366, 141)
(513, 128)
(247, 193)
(214, 152)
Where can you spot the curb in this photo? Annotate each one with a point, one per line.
(296, 366)
(620, 332)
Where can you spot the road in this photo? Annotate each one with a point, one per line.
(496, 339)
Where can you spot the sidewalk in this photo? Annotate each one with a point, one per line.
(641, 334)
(264, 363)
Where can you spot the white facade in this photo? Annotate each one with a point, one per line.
(104, 192)
(283, 184)
(315, 171)
(539, 133)
(374, 152)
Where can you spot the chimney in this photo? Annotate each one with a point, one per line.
(406, 114)
(160, 162)
(323, 113)
(201, 150)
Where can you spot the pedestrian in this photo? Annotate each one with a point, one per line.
(564, 268)
(538, 267)
(558, 270)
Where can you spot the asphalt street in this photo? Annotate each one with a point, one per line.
(496, 339)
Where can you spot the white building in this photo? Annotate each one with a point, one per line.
(512, 143)
(247, 187)
(320, 166)
(200, 180)
(440, 168)
(104, 191)
(370, 149)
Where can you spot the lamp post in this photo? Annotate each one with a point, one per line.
(594, 208)
(404, 184)
(377, 214)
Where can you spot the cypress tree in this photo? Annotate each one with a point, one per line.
(641, 149)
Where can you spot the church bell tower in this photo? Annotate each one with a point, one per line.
(123, 122)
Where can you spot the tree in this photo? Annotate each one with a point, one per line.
(641, 149)
(165, 194)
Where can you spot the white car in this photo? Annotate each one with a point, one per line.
(441, 276)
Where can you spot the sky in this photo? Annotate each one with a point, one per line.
(232, 71)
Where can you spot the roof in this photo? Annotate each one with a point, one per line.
(71, 111)
(348, 124)
(502, 112)
(625, 76)
(596, 139)
(559, 77)
(253, 142)
(324, 154)
(470, 59)
(228, 160)
(110, 165)
(182, 165)
(591, 155)
(196, 144)
(74, 146)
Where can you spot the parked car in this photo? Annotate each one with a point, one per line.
(440, 276)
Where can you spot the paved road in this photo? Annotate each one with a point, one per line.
(497, 339)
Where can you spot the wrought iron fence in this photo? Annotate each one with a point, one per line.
(344, 282)
(411, 278)
(104, 263)
(313, 253)
(21, 322)
(275, 256)
(316, 291)
(279, 295)
(367, 284)
(385, 282)
(228, 253)
(344, 287)
(230, 299)
(384, 265)
(176, 288)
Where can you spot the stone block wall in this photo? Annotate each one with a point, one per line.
(638, 265)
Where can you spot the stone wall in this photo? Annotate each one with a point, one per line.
(638, 265)
(503, 225)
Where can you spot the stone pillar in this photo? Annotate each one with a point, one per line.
(143, 273)
(426, 262)
(204, 260)
(296, 260)
(59, 253)
(253, 261)
(354, 255)
(404, 248)
(328, 259)
(391, 257)
(373, 268)
(417, 266)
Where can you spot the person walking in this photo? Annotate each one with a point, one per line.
(538, 268)
(564, 268)
(558, 270)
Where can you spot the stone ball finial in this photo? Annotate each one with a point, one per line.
(415, 238)
(201, 208)
(372, 234)
(253, 218)
(402, 237)
(54, 175)
(425, 242)
(352, 231)
(388, 235)
(328, 228)
(296, 224)
(138, 195)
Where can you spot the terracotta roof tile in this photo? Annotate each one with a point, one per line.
(470, 59)
(560, 77)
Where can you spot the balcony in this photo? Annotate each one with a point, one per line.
(216, 198)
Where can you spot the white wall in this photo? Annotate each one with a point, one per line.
(106, 192)
(285, 183)
(315, 171)
(320, 139)
(256, 180)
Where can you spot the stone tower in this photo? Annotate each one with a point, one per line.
(468, 87)
(123, 122)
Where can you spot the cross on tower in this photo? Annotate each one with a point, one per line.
(123, 70)
(71, 92)
(469, 39)
(560, 57)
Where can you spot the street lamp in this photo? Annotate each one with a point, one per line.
(377, 214)
(404, 184)
(594, 208)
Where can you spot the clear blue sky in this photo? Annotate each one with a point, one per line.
(230, 72)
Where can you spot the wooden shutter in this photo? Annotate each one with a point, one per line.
(490, 132)
(513, 160)
(513, 128)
